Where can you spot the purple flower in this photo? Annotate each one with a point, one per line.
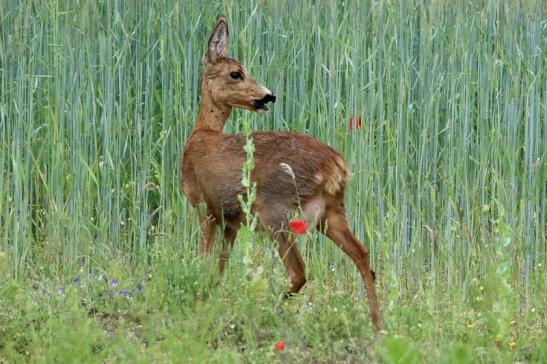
(77, 282)
(138, 288)
(115, 283)
(61, 290)
(125, 293)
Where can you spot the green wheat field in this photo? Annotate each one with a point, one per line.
(99, 254)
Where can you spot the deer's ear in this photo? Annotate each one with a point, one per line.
(218, 42)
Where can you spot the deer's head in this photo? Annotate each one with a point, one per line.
(226, 81)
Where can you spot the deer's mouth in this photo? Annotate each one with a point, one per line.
(261, 106)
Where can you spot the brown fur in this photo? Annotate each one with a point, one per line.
(213, 161)
(292, 171)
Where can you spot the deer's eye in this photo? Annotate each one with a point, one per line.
(236, 75)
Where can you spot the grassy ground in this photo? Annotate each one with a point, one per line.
(98, 249)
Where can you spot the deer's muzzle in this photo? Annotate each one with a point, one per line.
(261, 104)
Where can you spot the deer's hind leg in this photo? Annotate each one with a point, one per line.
(272, 221)
(292, 259)
(337, 229)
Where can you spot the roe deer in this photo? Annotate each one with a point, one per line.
(212, 163)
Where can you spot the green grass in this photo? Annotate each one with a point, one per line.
(448, 189)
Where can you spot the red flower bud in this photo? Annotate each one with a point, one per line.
(280, 346)
(299, 226)
(355, 122)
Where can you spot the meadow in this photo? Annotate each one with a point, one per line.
(99, 248)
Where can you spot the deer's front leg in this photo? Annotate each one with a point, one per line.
(208, 228)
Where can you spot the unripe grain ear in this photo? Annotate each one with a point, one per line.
(218, 42)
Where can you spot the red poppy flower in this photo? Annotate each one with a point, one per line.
(355, 122)
(280, 346)
(299, 226)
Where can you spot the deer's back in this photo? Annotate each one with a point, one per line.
(290, 168)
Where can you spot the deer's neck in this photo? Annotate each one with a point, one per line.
(211, 115)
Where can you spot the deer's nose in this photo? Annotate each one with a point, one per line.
(268, 98)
